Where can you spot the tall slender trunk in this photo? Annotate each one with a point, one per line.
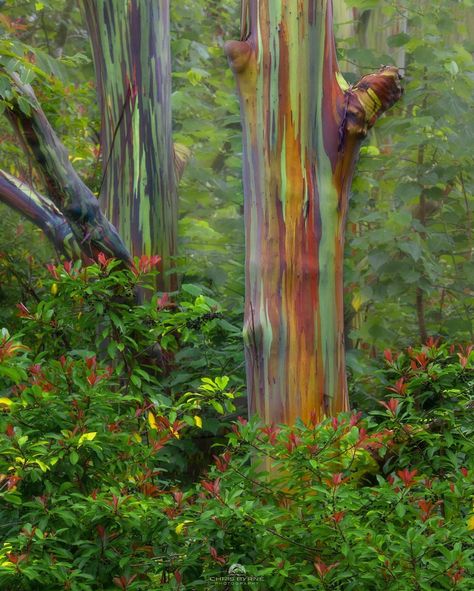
(421, 214)
(302, 128)
(131, 49)
(420, 313)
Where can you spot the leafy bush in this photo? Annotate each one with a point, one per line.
(381, 502)
(91, 495)
(106, 406)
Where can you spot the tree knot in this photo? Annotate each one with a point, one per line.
(238, 53)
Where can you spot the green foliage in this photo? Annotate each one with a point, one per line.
(91, 499)
(409, 233)
(409, 264)
(109, 408)
(84, 466)
(52, 56)
(207, 120)
(105, 411)
(20, 272)
(162, 346)
(381, 502)
(87, 310)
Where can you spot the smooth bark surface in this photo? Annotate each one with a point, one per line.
(41, 211)
(67, 191)
(131, 50)
(302, 129)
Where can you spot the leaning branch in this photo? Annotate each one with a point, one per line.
(92, 231)
(362, 105)
(41, 211)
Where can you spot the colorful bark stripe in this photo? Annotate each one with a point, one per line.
(131, 49)
(302, 130)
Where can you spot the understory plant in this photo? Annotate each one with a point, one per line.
(382, 501)
(107, 406)
(94, 446)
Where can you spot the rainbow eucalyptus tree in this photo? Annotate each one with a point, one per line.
(137, 210)
(132, 57)
(302, 127)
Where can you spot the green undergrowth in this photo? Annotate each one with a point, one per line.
(124, 464)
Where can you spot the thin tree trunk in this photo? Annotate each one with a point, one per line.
(374, 27)
(63, 28)
(302, 129)
(420, 312)
(131, 49)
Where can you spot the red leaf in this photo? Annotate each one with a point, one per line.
(23, 311)
(391, 405)
(323, 569)
(407, 477)
(53, 271)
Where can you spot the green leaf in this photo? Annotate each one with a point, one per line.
(452, 68)
(24, 105)
(22, 440)
(222, 382)
(411, 248)
(400, 510)
(16, 374)
(87, 437)
(193, 290)
(12, 498)
(218, 407)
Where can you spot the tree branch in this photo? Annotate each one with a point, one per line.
(367, 100)
(41, 211)
(93, 232)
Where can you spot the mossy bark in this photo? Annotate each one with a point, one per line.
(72, 198)
(40, 211)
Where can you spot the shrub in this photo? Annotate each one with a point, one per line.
(105, 402)
(103, 405)
(381, 502)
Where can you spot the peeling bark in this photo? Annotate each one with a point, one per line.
(302, 128)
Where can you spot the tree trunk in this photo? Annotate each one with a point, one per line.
(131, 49)
(302, 128)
